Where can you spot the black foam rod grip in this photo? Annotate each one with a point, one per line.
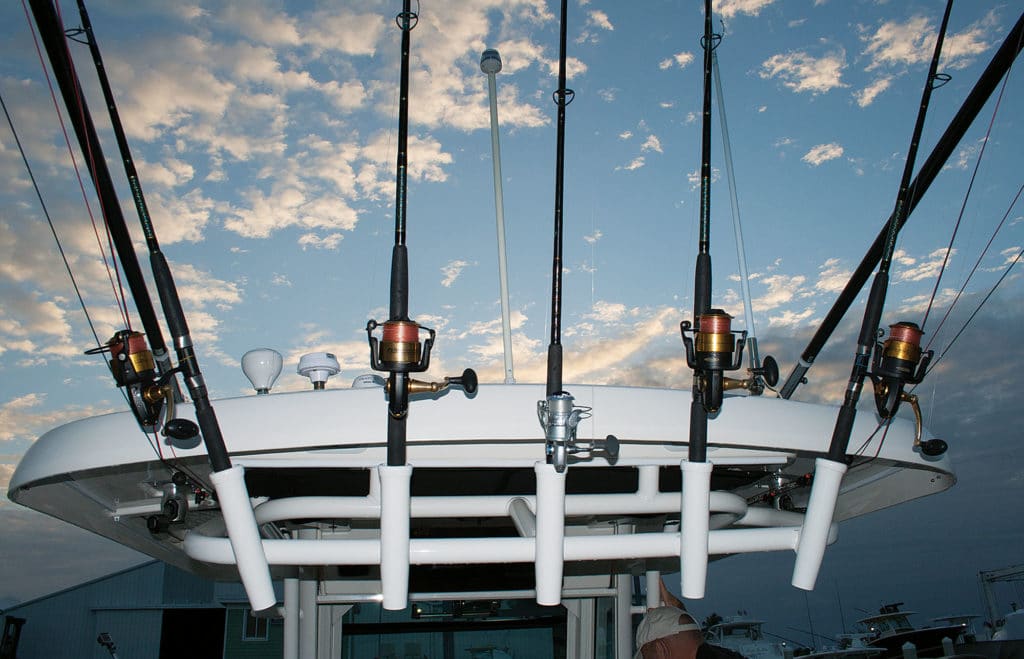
(399, 283)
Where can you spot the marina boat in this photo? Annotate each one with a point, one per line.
(891, 629)
(398, 490)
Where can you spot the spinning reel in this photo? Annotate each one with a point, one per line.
(713, 349)
(399, 350)
(898, 362)
(560, 418)
(151, 399)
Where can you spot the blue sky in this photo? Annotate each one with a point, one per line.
(264, 135)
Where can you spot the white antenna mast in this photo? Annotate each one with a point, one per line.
(490, 63)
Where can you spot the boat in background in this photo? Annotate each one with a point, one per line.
(891, 629)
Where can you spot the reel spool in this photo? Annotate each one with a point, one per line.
(898, 362)
(399, 349)
(712, 349)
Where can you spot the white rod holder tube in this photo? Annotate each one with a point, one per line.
(291, 619)
(522, 517)
(549, 554)
(394, 535)
(821, 508)
(245, 537)
(694, 526)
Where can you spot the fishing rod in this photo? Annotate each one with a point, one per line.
(896, 362)
(558, 414)
(128, 349)
(399, 351)
(1000, 63)
(174, 393)
(135, 367)
(712, 348)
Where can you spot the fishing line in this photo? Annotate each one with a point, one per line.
(49, 220)
(122, 304)
(974, 269)
(984, 300)
(151, 439)
(963, 206)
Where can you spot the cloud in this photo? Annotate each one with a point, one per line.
(24, 417)
(926, 269)
(594, 237)
(831, 277)
(634, 164)
(607, 312)
(802, 72)
(897, 44)
(866, 96)
(329, 241)
(652, 143)
(680, 60)
(599, 19)
(822, 153)
(452, 271)
(730, 8)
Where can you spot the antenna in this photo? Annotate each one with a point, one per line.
(490, 64)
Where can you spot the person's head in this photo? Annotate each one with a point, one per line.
(668, 632)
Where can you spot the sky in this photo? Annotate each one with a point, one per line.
(265, 134)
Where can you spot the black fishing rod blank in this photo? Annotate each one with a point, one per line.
(228, 480)
(712, 347)
(558, 413)
(399, 350)
(146, 363)
(896, 362)
(997, 67)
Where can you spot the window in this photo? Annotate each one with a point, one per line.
(256, 629)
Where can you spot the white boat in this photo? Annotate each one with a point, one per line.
(310, 482)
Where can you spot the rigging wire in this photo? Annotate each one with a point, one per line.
(49, 220)
(118, 288)
(974, 269)
(963, 206)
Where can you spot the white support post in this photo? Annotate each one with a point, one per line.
(623, 615)
(653, 589)
(694, 527)
(291, 619)
(549, 553)
(814, 535)
(394, 535)
(580, 628)
(308, 586)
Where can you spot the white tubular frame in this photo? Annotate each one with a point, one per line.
(695, 506)
(550, 539)
(244, 537)
(821, 508)
(541, 522)
(394, 535)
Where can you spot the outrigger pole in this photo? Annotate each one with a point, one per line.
(711, 349)
(228, 480)
(898, 362)
(972, 105)
(399, 352)
(558, 413)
